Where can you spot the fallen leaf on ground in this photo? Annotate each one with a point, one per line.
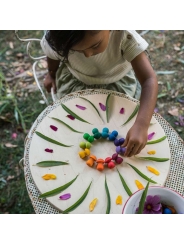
(174, 112)
(9, 145)
(10, 177)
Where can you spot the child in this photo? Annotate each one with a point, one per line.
(104, 60)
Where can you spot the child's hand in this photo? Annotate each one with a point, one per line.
(135, 141)
(49, 82)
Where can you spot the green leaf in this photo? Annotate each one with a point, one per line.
(155, 159)
(161, 95)
(93, 107)
(165, 72)
(76, 204)
(156, 141)
(73, 114)
(16, 115)
(128, 191)
(168, 86)
(57, 190)
(108, 198)
(141, 174)
(3, 106)
(107, 107)
(132, 115)
(50, 140)
(143, 198)
(50, 163)
(66, 125)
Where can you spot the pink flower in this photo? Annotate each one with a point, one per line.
(14, 136)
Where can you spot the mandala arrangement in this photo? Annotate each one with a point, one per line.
(98, 164)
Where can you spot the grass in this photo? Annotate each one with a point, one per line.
(16, 117)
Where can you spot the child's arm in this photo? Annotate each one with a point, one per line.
(136, 138)
(50, 77)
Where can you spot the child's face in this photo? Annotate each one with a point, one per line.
(94, 42)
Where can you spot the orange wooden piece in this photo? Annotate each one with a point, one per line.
(91, 160)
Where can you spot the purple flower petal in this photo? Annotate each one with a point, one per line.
(71, 117)
(177, 123)
(81, 107)
(65, 196)
(157, 207)
(150, 136)
(53, 127)
(49, 150)
(155, 200)
(149, 198)
(158, 212)
(122, 111)
(146, 211)
(103, 107)
(156, 110)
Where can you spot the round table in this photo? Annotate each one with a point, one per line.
(175, 178)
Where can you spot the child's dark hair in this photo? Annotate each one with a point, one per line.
(62, 41)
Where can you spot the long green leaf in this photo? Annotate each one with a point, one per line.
(76, 204)
(57, 190)
(155, 159)
(165, 72)
(108, 198)
(132, 115)
(107, 107)
(143, 198)
(50, 140)
(128, 191)
(73, 114)
(141, 174)
(66, 125)
(93, 107)
(50, 163)
(156, 141)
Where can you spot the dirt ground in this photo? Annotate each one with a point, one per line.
(21, 102)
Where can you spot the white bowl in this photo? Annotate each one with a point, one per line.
(167, 196)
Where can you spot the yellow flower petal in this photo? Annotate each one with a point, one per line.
(151, 152)
(139, 184)
(49, 176)
(153, 170)
(92, 204)
(119, 200)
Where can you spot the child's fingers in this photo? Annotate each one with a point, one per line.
(134, 150)
(140, 149)
(129, 149)
(125, 142)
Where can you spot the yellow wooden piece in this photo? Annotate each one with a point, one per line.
(152, 152)
(139, 184)
(92, 204)
(49, 176)
(82, 154)
(87, 152)
(119, 200)
(153, 170)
